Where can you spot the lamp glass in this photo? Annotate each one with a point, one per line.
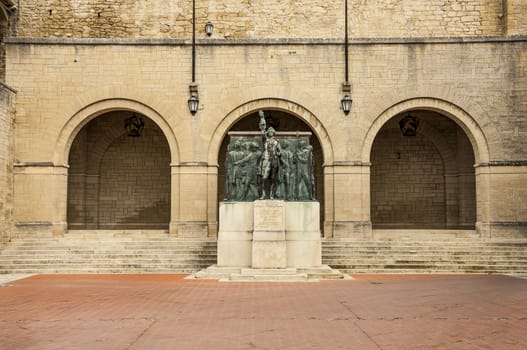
(346, 104)
(209, 27)
(193, 103)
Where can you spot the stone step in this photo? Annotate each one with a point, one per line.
(284, 274)
(106, 251)
(167, 266)
(438, 258)
(102, 255)
(76, 259)
(106, 270)
(388, 264)
(269, 278)
(79, 249)
(323, 273)
(334, 241)
(269, 275)
(431, 272)
(269, 271)
(215, 272)
(425, 248)
(136, 264)
(350, 253)
(61, 243)
(425, 267)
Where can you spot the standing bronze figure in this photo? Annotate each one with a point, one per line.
(270, 160)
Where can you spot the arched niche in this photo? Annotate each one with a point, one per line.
(119, 179)
(468, 124)
(292, 117)
(422, 180)
(72, 128)
(285, 122)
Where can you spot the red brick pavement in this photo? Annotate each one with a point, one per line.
(167, 312)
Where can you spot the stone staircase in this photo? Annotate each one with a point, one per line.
(427, 256)
(132, 251)
(107, 252)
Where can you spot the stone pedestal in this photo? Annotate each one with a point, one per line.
(269, 245)
(304, 246)
(269, 234)
(235, 234)
(269, 240)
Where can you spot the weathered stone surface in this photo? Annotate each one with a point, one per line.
(269, 234)
(235, 234)
(263, 19)
(71, 61)
(269, 246)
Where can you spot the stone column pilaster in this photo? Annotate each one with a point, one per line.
(189, 211)
(40, 202)
(501, 192)
(350, 199)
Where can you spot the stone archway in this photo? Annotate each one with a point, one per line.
(292, 117)
(85, 115)
(119, 180)
(458, 115)
(426, 181)
(113, 139)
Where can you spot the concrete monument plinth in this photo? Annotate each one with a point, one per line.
(269, 240)
(304, 246)
(269, 234)
(235, 234)
(269, 245)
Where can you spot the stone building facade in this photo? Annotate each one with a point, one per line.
(79, 69)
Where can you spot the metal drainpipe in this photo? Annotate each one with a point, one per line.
(193, 41)
(503, 5)
(346, 40)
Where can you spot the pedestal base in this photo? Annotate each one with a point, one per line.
(235, 234)
(268, 234)
(269, 254)
(289, 274)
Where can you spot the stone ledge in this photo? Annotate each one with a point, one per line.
(266, 42)
(503, 163)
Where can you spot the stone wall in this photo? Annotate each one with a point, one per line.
(135, 183)
(516, 17)
(234, 19)
(407, 182)
(478, 83)
(485, 79)
(3, 34)
(7, 103)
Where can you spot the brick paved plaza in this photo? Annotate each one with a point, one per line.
(168, 312)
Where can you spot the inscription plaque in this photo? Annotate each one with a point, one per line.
(269, 216)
